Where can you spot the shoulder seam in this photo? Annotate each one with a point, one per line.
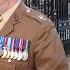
(40, 17)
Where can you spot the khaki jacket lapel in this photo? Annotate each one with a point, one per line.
(14, 19)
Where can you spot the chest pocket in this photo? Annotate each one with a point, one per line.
(14, 65)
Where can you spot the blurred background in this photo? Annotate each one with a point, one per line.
(59, 12)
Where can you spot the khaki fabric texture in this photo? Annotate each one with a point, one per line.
(46, 50)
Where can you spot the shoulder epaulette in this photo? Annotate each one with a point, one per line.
(40, 17)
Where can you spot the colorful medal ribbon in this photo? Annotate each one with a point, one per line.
(9, 43)
(20, 45)
(9, 47)
(17, 44)
(27, 45)
(16, 48)
(24, 45)
(2, 39)
(20, 49)
(5, 48)
(13, 45)
(25, 52)
(12, 49)
(6, 40)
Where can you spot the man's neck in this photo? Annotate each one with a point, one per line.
(7, 5)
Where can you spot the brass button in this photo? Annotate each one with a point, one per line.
(41, 17)
(28, 10)
(1, 18)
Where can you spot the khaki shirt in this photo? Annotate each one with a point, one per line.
(46, 50)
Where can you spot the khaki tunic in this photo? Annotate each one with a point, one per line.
(46, 50)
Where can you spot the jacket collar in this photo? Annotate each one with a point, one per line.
(14, 19)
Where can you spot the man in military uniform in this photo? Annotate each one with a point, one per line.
(28, 39)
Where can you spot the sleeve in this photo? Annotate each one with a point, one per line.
(48, 51)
